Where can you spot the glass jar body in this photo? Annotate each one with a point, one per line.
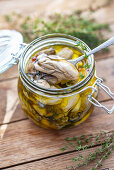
(50, 109)
(56, 113)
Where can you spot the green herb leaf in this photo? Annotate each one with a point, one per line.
(97, 137)
(8, 18)
(79, 142)
(74, 138)
(87, 65)
(68, 84)
(99, 163)
(75, 159)
(82, 137)
(94, 169)
(85, 55)
(68, 139)
(81, 75)
(64, 148)
(79, 165)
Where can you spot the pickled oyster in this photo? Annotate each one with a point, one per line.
(66, 53)
(74, 116)
(50, 64)
(77, 107)
(53, 87)
(49, 51)
(50, 79)
(69, 102)
(84, 100)
(28, 96)
(42, 83)
(42, 111)
(56, 66)
(45, 84)
(48, 100)
(30, 67)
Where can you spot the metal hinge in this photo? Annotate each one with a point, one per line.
(98, 83)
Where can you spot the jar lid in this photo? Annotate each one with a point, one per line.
(10, 41)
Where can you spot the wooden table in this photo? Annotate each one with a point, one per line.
(25, 146)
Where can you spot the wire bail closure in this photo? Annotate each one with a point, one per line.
(98, 83)
(16, 56)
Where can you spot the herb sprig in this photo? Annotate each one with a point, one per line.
(86, 66)
(87, 30)
(104, 141)
(81, 75)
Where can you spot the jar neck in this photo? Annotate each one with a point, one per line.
(49, 40)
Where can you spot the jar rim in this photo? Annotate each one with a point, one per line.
(30, 84)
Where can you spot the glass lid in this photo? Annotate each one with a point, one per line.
(10, 41)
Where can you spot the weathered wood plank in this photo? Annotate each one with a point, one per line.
(105, 55)
(10, 73)
(110, 33)
(47, 7)
(105, 70)
(10, 109)
(60, 162)
(105, 14)
(24, 141)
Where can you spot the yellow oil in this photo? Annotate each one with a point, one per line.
(56, 113)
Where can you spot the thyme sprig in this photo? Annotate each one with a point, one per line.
(103, 140)
(110, 148)
(81, 75)
(85, 55)
(86, 66)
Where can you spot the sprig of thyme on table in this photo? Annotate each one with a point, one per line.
(104, 141)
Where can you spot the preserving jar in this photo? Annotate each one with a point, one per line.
(57, 108)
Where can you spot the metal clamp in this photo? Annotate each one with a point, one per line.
(16, 56)
(98, 83)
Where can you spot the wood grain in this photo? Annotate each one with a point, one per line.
(105, 14)
(105, 55)
(11, 73)
(24, 141)
(105, 70)
(9, 102)
(60, 162)
(46, 7)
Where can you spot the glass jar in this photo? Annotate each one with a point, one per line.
(58, 108)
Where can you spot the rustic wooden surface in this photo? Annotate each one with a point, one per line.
(25, 146)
